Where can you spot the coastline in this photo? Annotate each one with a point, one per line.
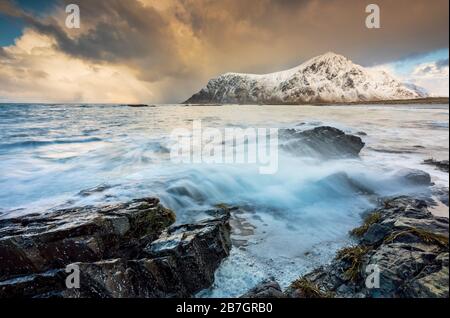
(120, 246)
(426, 101)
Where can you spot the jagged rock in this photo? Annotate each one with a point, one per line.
(266, 289)
(322, 142)
(123, 250)
(407, 244)
(37, 243)
(197, 248)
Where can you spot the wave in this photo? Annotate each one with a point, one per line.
(40, 143)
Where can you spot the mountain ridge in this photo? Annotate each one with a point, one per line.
(328, 78)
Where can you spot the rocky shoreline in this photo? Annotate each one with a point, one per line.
(401, 239)
(121, 251)
(134, 250)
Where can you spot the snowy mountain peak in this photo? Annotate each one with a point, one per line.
(330, 57)
(328, 78)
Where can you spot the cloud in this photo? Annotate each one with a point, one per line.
(3, 53)
(437, 69)
(433, 76)
(36, 72)
(173, 47)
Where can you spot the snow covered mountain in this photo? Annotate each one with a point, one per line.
(329, 78)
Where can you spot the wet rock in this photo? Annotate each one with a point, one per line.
(98, 189)
(123, 250)
(120, 278)
(441, 165)
(266, 289)
(441, 194)
(414, 177)
(321, 142)
(37, 243)
(407, 244)
(197, 248)
(43, 285)
(342, 184)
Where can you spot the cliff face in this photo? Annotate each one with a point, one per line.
(329, 78)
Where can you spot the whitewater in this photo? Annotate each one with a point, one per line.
(59, 156)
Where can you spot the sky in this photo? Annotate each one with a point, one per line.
(163, 51)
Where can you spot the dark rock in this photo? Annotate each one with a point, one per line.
(321, 142)
(408, 245)
(441, 194)
(441, 165)
(35, 244)
(266, 289)
(42, 285)
(342, 184)
(122, 250)
(97, 189)
(197, 248)
(138, 105)
(414, 177)
(120, 278)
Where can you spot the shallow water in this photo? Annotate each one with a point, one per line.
(55, 156)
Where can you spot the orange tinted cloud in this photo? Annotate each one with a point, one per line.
(170, 48)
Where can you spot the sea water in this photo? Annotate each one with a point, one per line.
(58, 156)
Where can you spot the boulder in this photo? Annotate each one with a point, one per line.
(413, 177)
(267, 289)
(321, 142)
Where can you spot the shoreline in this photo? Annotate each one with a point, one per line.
(427, 101)
(118, 246)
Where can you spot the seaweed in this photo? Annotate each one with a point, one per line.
(426, 236)
(310, 290)
(368, 222)
(353, 255)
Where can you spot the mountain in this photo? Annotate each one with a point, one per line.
(329, 78)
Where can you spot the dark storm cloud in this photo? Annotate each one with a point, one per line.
(118, 31)
(442, 63)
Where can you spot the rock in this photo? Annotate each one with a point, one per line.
(37, 243)
(43, 285)
(441, 194)
(407, 244)
(398, 264)
(123, 250)
(414, 177)
(266, 289)
(98, 189)
(138, 105)
(441, 165)
(321, 142)
(432, 282)
(341, 184)
(197, 248)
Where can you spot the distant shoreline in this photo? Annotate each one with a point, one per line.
(428, 101)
